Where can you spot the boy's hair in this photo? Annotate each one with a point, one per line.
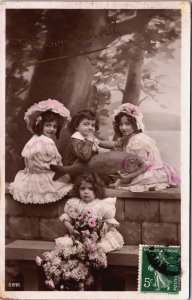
(48, 116)
(94, 179)
(81, 115)
(117, 121)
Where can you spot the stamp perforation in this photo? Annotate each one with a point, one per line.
(148, 280)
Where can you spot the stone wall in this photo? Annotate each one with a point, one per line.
(147, 218)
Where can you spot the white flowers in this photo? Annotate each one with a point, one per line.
(70, 265)
(38, 260)
(50, 283)
(65, 241)
(38, 120)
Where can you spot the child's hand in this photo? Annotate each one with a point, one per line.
(115, 184)
(124, 178)
(106, 227)
(69, 227)
(91, 136)
(75, 232)
(103, 229)
(71, 230)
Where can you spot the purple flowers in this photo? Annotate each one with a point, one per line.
(92, 222)
(129, 109)
(86, 222)
(71, 264)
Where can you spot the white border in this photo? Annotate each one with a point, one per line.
(185, 145)
(98, 5)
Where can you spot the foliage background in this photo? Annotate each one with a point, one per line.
(109, 57)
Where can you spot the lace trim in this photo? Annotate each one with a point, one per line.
(141, 141)
(38, 198)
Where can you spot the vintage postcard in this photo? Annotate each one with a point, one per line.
(95, 147)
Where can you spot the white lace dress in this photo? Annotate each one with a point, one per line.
(34, 184)
(104, 209)
(159, 175)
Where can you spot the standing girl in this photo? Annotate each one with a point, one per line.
(88, 191)
(154, 175)
(34, 184)
(83, 143)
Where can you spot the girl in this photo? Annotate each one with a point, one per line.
(154, 175)
(34, 184)
(83, 143)
(88, 191)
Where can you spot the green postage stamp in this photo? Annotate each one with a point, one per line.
(159, 269)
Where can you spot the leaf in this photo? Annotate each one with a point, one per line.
(104, 112)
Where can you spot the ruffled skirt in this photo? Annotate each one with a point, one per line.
(38, 188)
(111, 241)
(156, 179)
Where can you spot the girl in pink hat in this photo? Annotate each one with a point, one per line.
(154, 174)
(34, 184)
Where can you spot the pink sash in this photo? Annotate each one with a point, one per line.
(172, 173)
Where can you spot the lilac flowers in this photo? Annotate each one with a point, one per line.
(72, 264)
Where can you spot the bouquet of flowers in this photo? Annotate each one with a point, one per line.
(88, 226)
(71, 265)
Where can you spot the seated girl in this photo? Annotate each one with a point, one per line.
(154, 175)
(89, 193)
(35, 183)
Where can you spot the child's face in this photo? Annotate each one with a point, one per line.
(86, 127)
(50, 129)
(86, 192)
(125, 126)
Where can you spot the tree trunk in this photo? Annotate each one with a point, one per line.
(70, 33)
(133, 83)
(67, 80)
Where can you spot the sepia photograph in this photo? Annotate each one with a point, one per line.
(95, 140)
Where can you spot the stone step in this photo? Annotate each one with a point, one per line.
(28, 250)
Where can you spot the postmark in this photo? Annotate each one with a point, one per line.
(159, 269)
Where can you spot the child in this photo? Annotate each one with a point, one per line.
(83, 143)
(89, 190)
(154, 175)
(34, 184)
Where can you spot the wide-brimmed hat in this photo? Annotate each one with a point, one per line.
(133, 111)
(37, 109)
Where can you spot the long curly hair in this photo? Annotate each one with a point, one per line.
(48, 116)
(117, 120)
(94, 180)
(80, 116)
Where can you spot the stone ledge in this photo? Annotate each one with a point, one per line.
(28, 250)
(169, 193)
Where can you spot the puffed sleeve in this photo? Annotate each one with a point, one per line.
(109, 211)
(140, 145)
(70, 210)
(41, 151)
(146, 148)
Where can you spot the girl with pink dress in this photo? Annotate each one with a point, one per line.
(35, 183)
(155, 174)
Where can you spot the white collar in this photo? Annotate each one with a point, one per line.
(78, 135)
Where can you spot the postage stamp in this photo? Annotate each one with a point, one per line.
(159, 269)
